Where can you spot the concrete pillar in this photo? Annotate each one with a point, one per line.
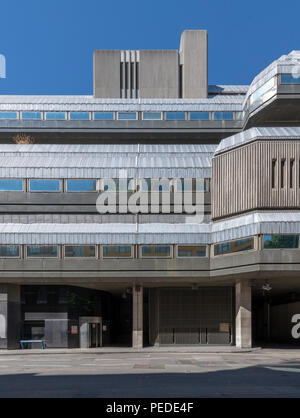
(10, 316)
(137, 317)
(243, 310)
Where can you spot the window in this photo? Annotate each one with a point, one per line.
(274, 173)
(80, 251)
(44, 185)
(11, 185)
(234, 246)
(199, 115)
(104, 116)
(262, 90)
(8, 115)
(81, 185)
(191, 251)
(281, 241)
(282, 173)
(55, 116)
(42, 251)
(289, 79)
(152, 116)
(156, 251)
(175, 115)
(223, 115)
(9, 251)
(80, 115)
(31, 115)
(127, 116)
(117, 251)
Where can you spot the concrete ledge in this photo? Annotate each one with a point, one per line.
(121, 350)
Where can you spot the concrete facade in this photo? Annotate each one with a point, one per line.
(156, 275)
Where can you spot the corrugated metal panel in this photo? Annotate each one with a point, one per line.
(255, 133)
(122, 233)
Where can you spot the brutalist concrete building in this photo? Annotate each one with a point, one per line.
(159, 210)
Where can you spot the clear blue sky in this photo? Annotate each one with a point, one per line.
(49, 44)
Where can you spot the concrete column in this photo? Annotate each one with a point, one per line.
(10, 316)
(243, 310)
(137, 317)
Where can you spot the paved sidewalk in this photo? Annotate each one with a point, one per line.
(122, 350)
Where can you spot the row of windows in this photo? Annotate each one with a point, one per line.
(120, 115)
(284, 173)
(103, 251)
(146, 251)
(92, 185)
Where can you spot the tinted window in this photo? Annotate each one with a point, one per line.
(289, 79)
(223, 115)
(44, 185)
(31, 115)
(42, 251)
(11, 185)
(156, 251)
(127, 116)
(55, 116)
(9, 251)
(281, 241)
(8, 115)
(152, 115)
(175, 115)
(234, 246)
(104, 115)
(199, 115)
(81, 185)
(80, 251)
(79, 115)
(191, 251)
(116, 250)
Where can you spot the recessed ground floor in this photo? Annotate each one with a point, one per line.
(91, 316)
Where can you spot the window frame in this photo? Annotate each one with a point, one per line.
(80, 119)
(279, 248)
(14, 191)
(161, 116)
(80, 191)
(95, 112)
(255, 247)
(176, 112)
(95, 257)
(14, 257)
(130, 113)
(117, 245)
(9, 112)
(54, 119)
(41, 113)
(153, 256)
(41, 257)
(192, 245)
(45, 191)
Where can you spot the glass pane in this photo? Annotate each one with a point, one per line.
(156, 251)
(9, 251)
(152, 115)
(11, 185)
(127, 116)
(191, 251)
(223, 115)
(199, 115)
(44, 185)
(31, 115)
(80, 251)
(81, 185)
(234, 246)
(116, 250)
(104, 115)
(289, 79)
(175, 115)
(55, 116)
(79, 115)
(8, 115)
(281, 241)
(42, 251)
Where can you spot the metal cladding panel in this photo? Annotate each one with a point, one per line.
(282, 133)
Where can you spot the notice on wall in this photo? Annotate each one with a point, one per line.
(74, 329)
(224, 327)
